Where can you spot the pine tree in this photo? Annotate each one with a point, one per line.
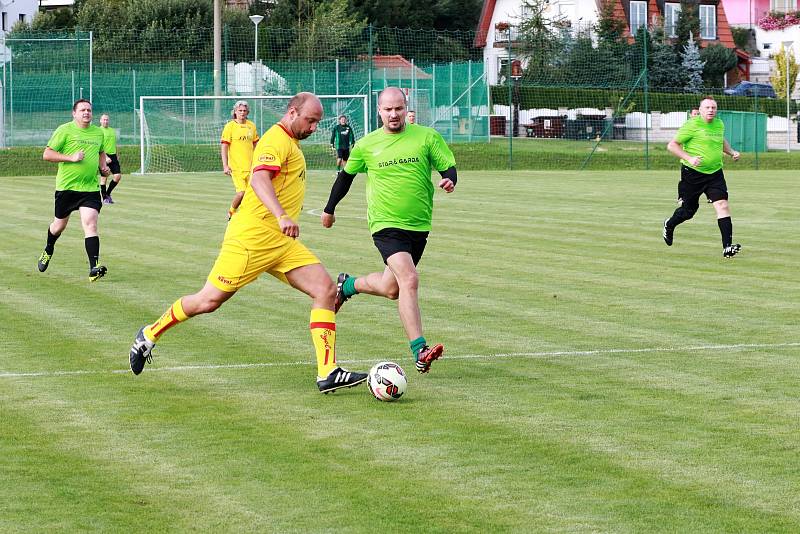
(692, 66)
(779, 78)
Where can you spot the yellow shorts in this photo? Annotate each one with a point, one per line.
(244, 256)
(240, 180)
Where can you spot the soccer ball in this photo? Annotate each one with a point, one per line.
(387, 381)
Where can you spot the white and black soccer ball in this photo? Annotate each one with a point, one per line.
(387, 381)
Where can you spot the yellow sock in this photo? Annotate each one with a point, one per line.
(323, 334)
(171, 317)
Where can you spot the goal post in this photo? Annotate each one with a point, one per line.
(182, 133)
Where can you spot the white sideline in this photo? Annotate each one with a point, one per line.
(544, 354)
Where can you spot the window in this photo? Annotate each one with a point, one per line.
(5, 21)
(638, 16)
(783, 6)
(22, 17)
(671, 13)
(708, 22)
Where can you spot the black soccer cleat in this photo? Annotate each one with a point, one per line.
(97, 272)
(426, 357)
(339, 378)
(340, 298)
(668, 233)
(141, 352)
(731, 250)
(44, 261)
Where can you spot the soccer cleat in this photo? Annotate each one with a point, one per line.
(667, 234)
(427, 355)
(731, 250)
(108, 200)
(141, 352)
(337, 379)
(340, 298)
(97, 272)
(44, 261)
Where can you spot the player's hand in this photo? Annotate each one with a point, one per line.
(108, 160)
(695, 161)
(77, 156)
(735, 155)
(105, 171)
(288, 227)
(447, 184)
(226, 170)
(327, 219)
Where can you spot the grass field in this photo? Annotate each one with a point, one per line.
(594, 380)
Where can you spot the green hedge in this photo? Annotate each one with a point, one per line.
(572, 97)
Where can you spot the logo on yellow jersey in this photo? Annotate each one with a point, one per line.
(266, 158)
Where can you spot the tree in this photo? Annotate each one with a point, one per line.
(539, 38)
(688, 24)
(328, 32)
(717, 61)
(610, 30)
(692, 67)
(665, 71)
(779, 78)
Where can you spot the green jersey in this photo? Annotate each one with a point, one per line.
(110, 136)
(703, 139)
(398, 167)
(82, 175)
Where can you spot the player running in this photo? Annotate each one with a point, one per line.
(79, 149)
(398, 160)
(700, 144)
(239, 137)
(263, 238)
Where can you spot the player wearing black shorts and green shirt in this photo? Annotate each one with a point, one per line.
(699, 144)
(110, 135)
(342, 140)
(79, 148)
(398, 160)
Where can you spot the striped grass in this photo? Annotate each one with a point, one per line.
(594, 380)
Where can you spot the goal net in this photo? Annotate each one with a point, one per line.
(182, 133)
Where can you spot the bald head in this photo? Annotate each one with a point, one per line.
(303, 114)
(392, 109)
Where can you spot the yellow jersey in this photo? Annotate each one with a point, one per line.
(278, 151)
(241, 139)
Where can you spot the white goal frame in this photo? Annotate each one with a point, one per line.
(232, 99)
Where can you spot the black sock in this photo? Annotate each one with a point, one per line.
(92, 250)
(103, 189)
(726, 230)
(111, 187)
(680, 215)
(51, 242)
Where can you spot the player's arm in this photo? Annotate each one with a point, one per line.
(104, 170)
(727, 149)
(676, 148)
(224, 154)
(449, 179)
(339, 190)
(57, 157)
(261, 182)
(333, 136)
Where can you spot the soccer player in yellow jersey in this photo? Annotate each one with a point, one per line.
(239, 137)
(263, 238)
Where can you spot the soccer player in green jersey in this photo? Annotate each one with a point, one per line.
(398, 160)
(79, 148)
(342, 140)
(110, 136)
(700, 144)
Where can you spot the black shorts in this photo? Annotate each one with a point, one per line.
(69, 201)
(343, 153)
(114, 165)
(695, 183)
(390, 241)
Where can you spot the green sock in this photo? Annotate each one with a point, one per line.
(349, 287)
(416, 346)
